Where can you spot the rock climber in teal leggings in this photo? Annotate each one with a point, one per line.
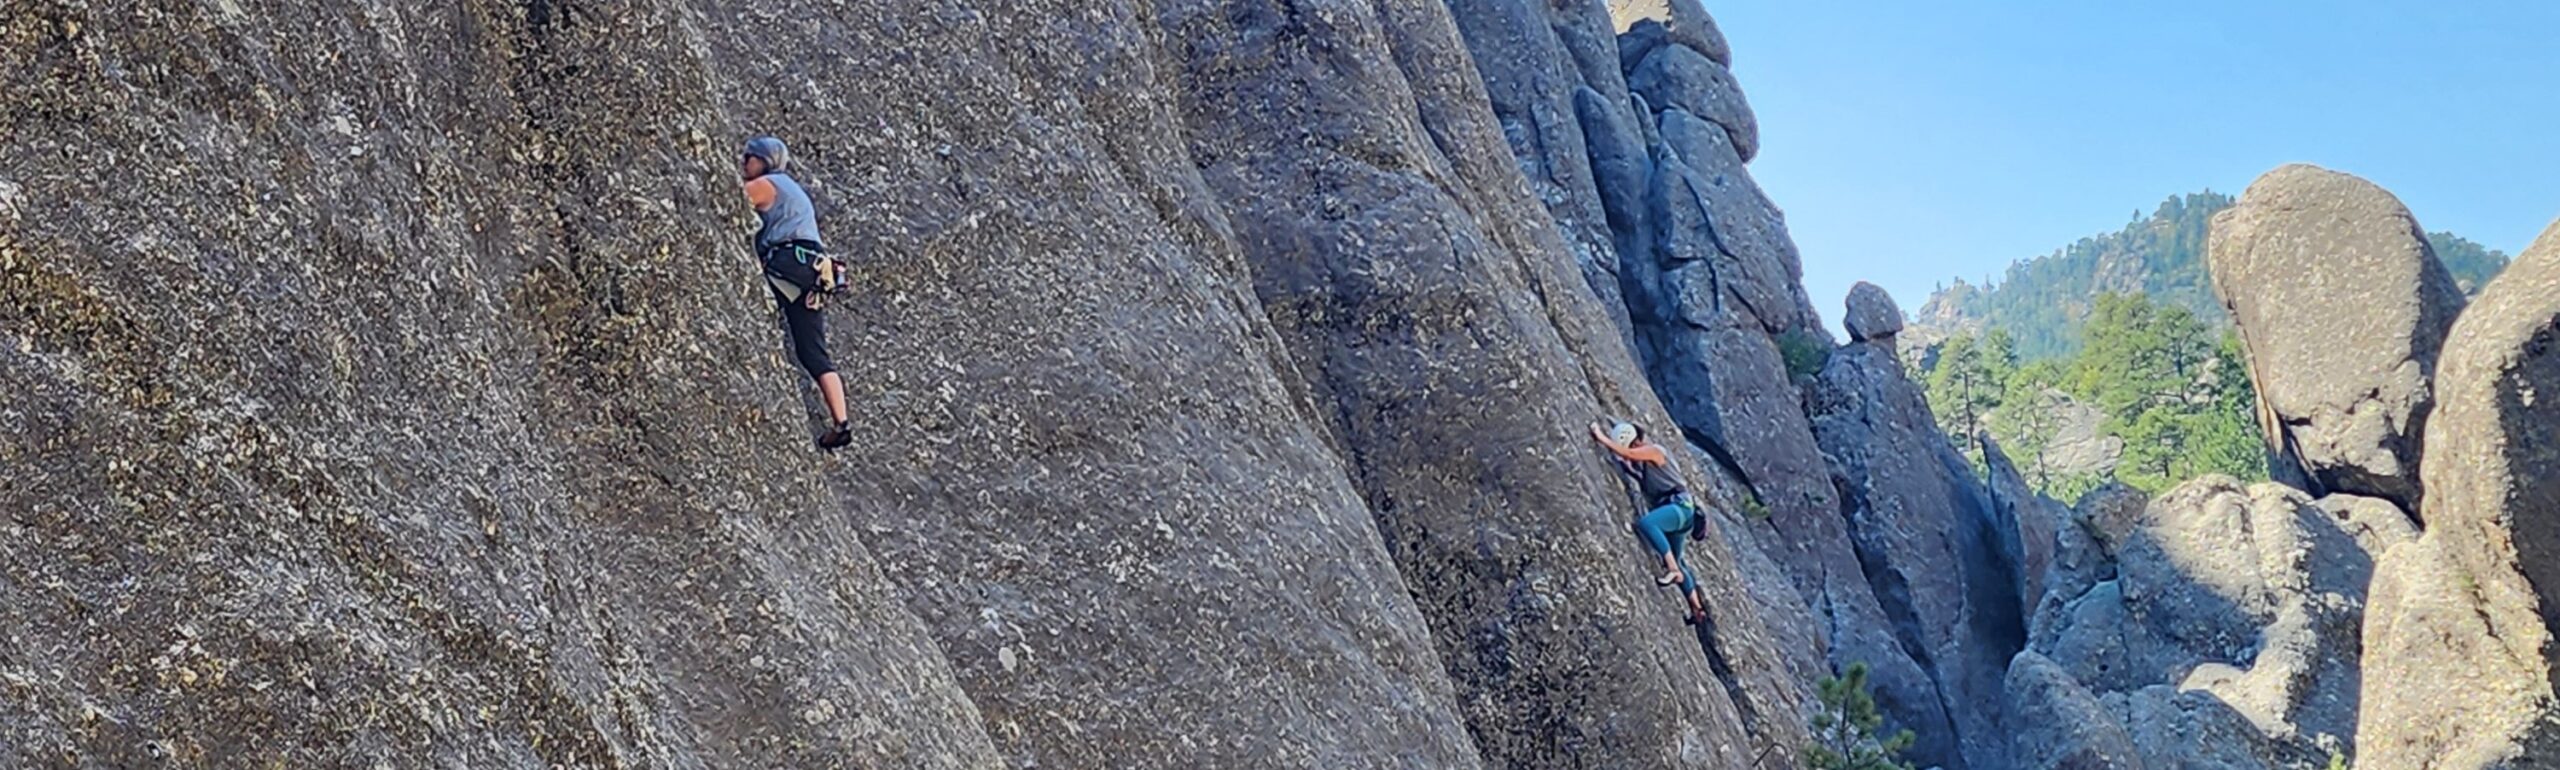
(1671, 516)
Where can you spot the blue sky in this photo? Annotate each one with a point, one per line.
(1910, 143)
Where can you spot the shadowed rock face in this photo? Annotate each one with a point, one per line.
(2457, 643)
(2233, 612)
(2343, 307)
(2029, 525)
(1925, 538)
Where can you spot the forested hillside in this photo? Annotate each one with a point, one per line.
(2154, 397)
(2044, 302)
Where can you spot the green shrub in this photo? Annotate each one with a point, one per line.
(1753, 509)
(1804, 352)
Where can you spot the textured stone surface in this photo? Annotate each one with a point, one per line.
(2195, 731)
(2060, 725)
(1679, 77)
(2079, 562)
(1922, 527)
(1433, 308)
(1679, 21)
(2263, 591)
(2458, 642)
(2029, 524)
(2342, 307)
(1872, 313)
(352, 497)
(2249, 597)
(544, 498)
(1551, 74)
(2110, 514)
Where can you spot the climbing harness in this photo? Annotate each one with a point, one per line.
(797, 271)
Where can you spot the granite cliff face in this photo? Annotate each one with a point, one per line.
(387, 384)
(1221, 386)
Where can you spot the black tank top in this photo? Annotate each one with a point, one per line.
(1656, 481)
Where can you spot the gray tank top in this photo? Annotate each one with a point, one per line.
(790, 218)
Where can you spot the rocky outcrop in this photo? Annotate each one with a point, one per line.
(1433, 308)
(1709, 282)
(2458, 665)
(2193, 730)
(2075, 443)
(2234, 611)
(1872, 313)
(2029, 525)
(1924, 535)
(2343, 308)
(1551, 73)
(2060, 725)
(1712, 288)
(2079, 560)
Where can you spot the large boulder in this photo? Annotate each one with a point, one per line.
(2343, 308)
(2057, 724)
(1723, 247)
(2110, 514)
(2458, 645)
(1872, 313)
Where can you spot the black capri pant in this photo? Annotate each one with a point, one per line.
(808, 336)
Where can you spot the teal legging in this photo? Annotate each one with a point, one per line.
(1665, 530)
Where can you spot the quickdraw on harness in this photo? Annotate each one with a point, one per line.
(795, 270)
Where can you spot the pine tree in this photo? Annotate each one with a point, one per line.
(1968, 382)
(1845, 731)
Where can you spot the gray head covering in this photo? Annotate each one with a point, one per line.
(776, 157)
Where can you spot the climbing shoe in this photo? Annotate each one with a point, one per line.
(836, 437)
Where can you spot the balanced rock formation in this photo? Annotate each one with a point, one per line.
(1923, 529)
(2343, 308)
(2458, 662)
(1872, 313)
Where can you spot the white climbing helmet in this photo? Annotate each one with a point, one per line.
(1622, 432)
